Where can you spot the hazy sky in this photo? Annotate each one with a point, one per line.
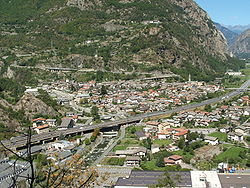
(228, 12)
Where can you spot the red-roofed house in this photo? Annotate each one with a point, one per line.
(245, 99)
(152, 123)
(173, 160)
(224, 107)
(42, 129)
(163, 135)
(38, 122)
(179, 133)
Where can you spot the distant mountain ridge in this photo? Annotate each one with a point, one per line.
(229, 35)
(237, 28)
(241, 46)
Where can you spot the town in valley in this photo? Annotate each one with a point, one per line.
(124, 94)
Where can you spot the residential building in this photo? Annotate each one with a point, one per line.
(67, 123)
(132, 151)
(141, 135)
(155, 148)
(51, 122)
(211, 140)
(225, 129)
(69, 114)
(132, 161)
(38, 122)
(60, 145)
(234, 180)
(235, 136)
(205, 179)
(180, 133)
(173, 160)
(163, 136)
(172, 148)
(152, 123)
(42, 129)
(242, 130)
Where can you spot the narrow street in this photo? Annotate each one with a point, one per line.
(110, 147)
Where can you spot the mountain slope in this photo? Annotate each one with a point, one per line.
(23, 111)
(241, 46)
(229, 35)
(238, 28)
(125, 35)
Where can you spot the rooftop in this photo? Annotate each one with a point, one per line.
(234, 180)
(140, 134)
(146, 178)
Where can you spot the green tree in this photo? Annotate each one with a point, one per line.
(208, 108)
(160, 161)
(166, 181)
(103, 90)
(248, 138)
(94, 113)
(192, 136)
(61, 137)
(87, 141)
(248, 162)
(84, 101)
(160, 158)
(181, 143)
(147, 143)
(44, 96)
(133, 130)
(94, 134)
(99, 76)
(243, 154)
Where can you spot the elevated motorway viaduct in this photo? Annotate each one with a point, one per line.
(20, 142)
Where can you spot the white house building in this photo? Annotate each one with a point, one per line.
(211, 140)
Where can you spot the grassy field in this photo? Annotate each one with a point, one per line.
(186, 156)
(162, 142)
(150, 165)
(126, 142)
(130, 138)
(229, 83)
(129, 130)
(221, 136)
(232, 153)
(119, 147)
(246, 71)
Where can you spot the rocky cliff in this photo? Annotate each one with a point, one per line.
(32, 106)
(229, 35)
(26, 108)
(241, 46)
